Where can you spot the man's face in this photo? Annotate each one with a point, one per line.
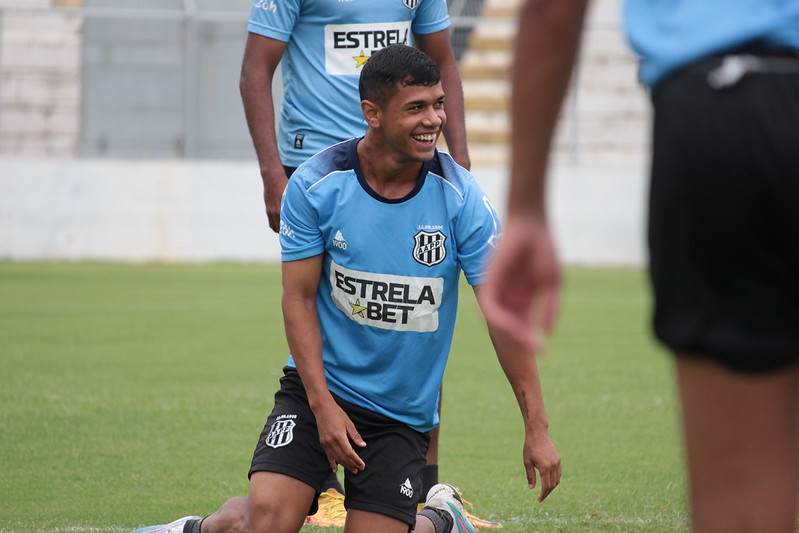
(413, 120)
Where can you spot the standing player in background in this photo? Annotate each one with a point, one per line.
(723, 226)
(323, 45)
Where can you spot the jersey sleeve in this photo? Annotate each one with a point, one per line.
(274, 19)
(478, 230)
(431, 16)
(300, 235)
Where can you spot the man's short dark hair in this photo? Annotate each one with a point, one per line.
(396, 64)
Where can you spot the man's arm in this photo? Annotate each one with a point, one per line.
(521, 369)
(336, 430)
(438, 46)
(525, 275)
(261, 57)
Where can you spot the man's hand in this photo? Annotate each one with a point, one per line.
(540, 454)
(274, 184)
(336, 431)
(523, 282)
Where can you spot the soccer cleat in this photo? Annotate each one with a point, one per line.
(172, 527)
(331, 511)
(482, 523)
(446, 498)
(477, 521)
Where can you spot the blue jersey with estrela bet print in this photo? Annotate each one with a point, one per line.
(389, 289)
(327, 43)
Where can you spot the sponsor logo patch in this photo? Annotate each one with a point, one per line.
(401, 303)
(349, 46)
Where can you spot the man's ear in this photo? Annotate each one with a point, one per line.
(371, 112)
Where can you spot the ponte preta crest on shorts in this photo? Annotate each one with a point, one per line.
(282, 432)
(429, 247)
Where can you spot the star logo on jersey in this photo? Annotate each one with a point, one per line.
(357, 308)
(360, 60)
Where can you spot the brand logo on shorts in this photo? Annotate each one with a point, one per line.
(429, 247)
(282, 431)
(406, 489)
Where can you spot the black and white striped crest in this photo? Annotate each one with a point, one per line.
(282, 433)
(429, 249)
(411, 4)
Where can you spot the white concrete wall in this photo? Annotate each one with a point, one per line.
(598, 212)
(132, 211)
(40, 58)
(77, 209)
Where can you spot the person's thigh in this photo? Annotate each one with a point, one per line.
(742, 444)
(278, 503)
(366, 522)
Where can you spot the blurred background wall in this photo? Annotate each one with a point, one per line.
(122, 135)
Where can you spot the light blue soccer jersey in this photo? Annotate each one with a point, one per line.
(389, 291)
(327, 43)
(669, 34)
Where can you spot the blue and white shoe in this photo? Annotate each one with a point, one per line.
(172, 527)
(446, 498)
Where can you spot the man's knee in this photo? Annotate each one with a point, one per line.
(232, 517)
(277, 503)
(273, 518)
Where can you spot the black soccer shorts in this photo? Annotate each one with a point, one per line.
(724, 219)
(394, 454)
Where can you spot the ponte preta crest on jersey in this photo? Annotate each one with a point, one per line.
(411, 4)
(429, 247)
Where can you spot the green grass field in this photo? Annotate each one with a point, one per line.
(133, 394)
